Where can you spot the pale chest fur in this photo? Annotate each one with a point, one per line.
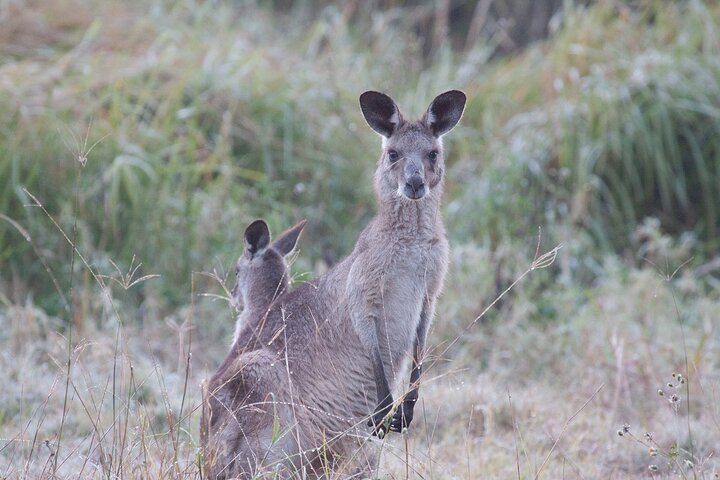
(392, 282)
(419, 266)
(410, 267)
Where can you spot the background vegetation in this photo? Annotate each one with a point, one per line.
(138, 139)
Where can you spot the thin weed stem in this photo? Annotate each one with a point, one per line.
(73, 313)
(565, 426)
(667, 277)
(539, 262)
(515, 428)
(26, 235)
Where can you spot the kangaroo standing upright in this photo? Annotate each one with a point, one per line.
(300, 382)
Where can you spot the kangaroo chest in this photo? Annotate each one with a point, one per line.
(419, 264)
(402, 272)
(396, 280)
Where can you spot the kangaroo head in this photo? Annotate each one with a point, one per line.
(261, 271)
(412, 161)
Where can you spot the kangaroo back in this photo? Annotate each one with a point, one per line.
(238, 415)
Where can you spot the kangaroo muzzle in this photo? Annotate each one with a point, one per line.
(415, 187)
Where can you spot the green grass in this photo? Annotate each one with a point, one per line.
(610, 123)
(202, 127)
(203, 116)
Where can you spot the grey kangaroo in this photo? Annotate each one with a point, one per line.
(293, 395)
(261, 271)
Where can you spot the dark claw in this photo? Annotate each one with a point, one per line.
(380, 422)
(396, 425)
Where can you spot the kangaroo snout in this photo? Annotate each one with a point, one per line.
(415, 187)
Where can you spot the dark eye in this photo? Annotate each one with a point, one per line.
(433, 156)
(393, 156)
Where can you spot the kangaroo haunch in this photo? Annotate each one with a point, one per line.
(302, 379)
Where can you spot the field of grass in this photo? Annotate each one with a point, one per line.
(138, 139)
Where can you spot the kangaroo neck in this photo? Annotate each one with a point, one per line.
(260, 298)
(411, 217)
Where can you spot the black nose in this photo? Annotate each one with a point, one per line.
(416, 183)
(415, 187)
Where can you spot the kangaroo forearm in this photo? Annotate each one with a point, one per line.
(382, 387)
(384, 397)
(404, 415)
(419, 351)
(415, 374)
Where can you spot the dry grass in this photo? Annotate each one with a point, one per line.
(514, 396)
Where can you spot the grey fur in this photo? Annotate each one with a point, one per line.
(293, 396)
(261, 271)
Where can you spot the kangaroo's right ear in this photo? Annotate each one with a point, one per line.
(445, 111)
(380, 112)
(288, 239)
(257, 237)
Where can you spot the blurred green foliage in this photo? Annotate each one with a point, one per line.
(205, 115)
(613, 121)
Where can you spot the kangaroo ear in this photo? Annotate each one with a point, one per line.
(444, 112)
(380, 112)
(257, 236)
(288, 239)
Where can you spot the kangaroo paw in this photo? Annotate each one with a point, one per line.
(403, 416)
(380, 422)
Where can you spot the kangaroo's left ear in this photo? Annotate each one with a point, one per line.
(444, 112)
(257, 237)
(288, 239)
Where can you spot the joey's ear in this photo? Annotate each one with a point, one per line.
(380, 112)
(288, 239)
(257, 236)
(444, 112)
